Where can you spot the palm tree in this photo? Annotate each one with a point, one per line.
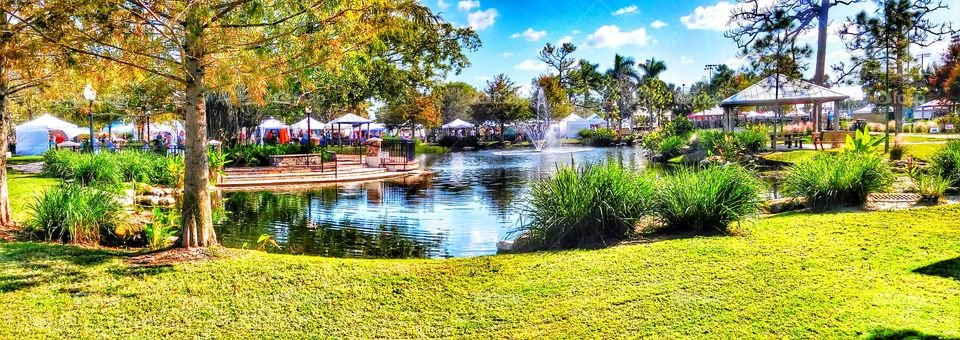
(652, 68)
(623, 68)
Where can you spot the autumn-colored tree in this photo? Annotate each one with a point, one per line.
(26, 62)
(457, 99)
(206, 45)
(555, 95)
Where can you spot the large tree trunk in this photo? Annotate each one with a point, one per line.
(197, 230)
(5, 218)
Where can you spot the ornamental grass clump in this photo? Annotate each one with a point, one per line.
(72, 213)
(946, 162)
(707, 199)
(582, 206)
(831, 179)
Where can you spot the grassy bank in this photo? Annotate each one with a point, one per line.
(796, 275)
(24, 188)
(918, 151)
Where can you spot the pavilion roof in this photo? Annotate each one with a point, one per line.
(791, 92)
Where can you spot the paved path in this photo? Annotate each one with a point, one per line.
(33, 168)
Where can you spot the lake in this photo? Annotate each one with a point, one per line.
(471, 201)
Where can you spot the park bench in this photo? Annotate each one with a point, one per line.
(835, 138)
(791, 139)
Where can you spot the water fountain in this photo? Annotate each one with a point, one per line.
(538, 129)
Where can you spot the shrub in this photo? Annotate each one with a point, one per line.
(259, 155)
(753, 139)
(164, 225)
(708, 139)
(946, 162)
(672, 146)
(863, 143)
(707, 199)
(585, 205)
(107, 169)
(829, 178)
(602, 137)
(73, 213)
(930, 186)
(680, 127)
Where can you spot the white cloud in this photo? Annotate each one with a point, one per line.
(717, 17)
(658, 24)
(713, 17)
(564, 40)
(530, 35)
(685, 60)
(626, 10)
(482, 19)
(443, 4)
(531, 65)
(735, 63)
(611, 36)
(575, 32)
(507, 54)
(467, 5)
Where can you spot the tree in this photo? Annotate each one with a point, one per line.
(752, 17)
(944, 82)
(26, 62)
(624, 76)
(414, 109)
(652, 68)
(501, 104)
(555, 95)
(655, 98)
(884, 38)
(458, 97)
(205, 45)
(559, 58)
(585, 82)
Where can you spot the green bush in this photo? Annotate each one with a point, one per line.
(602, 137)
(707, 199)
(931, 186)
(252, 155)
(681, 126)
(709, 139)
(672, 146)
(753, 139)
(583, 206)
(946, 162)
(74, 213)
(107, 169)
(829, 178)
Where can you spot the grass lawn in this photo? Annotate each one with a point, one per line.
(838, 275)
(24, 159)
(918, 151)
(23, 189)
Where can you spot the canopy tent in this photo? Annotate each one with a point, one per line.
(865, 110)
(932, 109)
(780, 90)
(457, 124)
(796, 113)
(716, 111)
(119, 127)
(33, 137)
(266, 127)
(314, 124)
(372, 127)
(350, 119)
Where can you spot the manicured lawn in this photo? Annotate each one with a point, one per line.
(23, 190)
(24, 159)
(918, 151)
(838, 275)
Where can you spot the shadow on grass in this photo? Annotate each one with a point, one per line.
(947, 268)
(891, 334)
(26, 264)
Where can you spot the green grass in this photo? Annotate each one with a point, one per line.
(841, 275)
(24, 159)
(918, 151)
(24, 188)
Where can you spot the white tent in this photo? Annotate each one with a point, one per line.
(269, 124)
(457, 124)
(350, 119)
(865, 110)
(716, 111)
(372, 127)
(119, 127)
(33, 137)
(314, 124)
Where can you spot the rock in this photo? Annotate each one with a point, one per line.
(148, 200)
(779, 205)
(156, 192)
(166, 201)
(504, 246)
(167, 191)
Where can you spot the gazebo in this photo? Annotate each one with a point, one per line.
(779, 90)
(932, 109)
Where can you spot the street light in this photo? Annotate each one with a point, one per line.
(90, 95)
(309, 131)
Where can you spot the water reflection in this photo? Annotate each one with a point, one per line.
(470, 202)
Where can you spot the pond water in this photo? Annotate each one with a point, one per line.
(470, 202)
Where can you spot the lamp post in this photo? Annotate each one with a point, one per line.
(309, 131)
(90, 95)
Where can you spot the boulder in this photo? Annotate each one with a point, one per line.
(779, 205)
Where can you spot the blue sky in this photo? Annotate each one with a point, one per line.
(686, 34)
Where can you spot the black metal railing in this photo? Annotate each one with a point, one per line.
(398, 151)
